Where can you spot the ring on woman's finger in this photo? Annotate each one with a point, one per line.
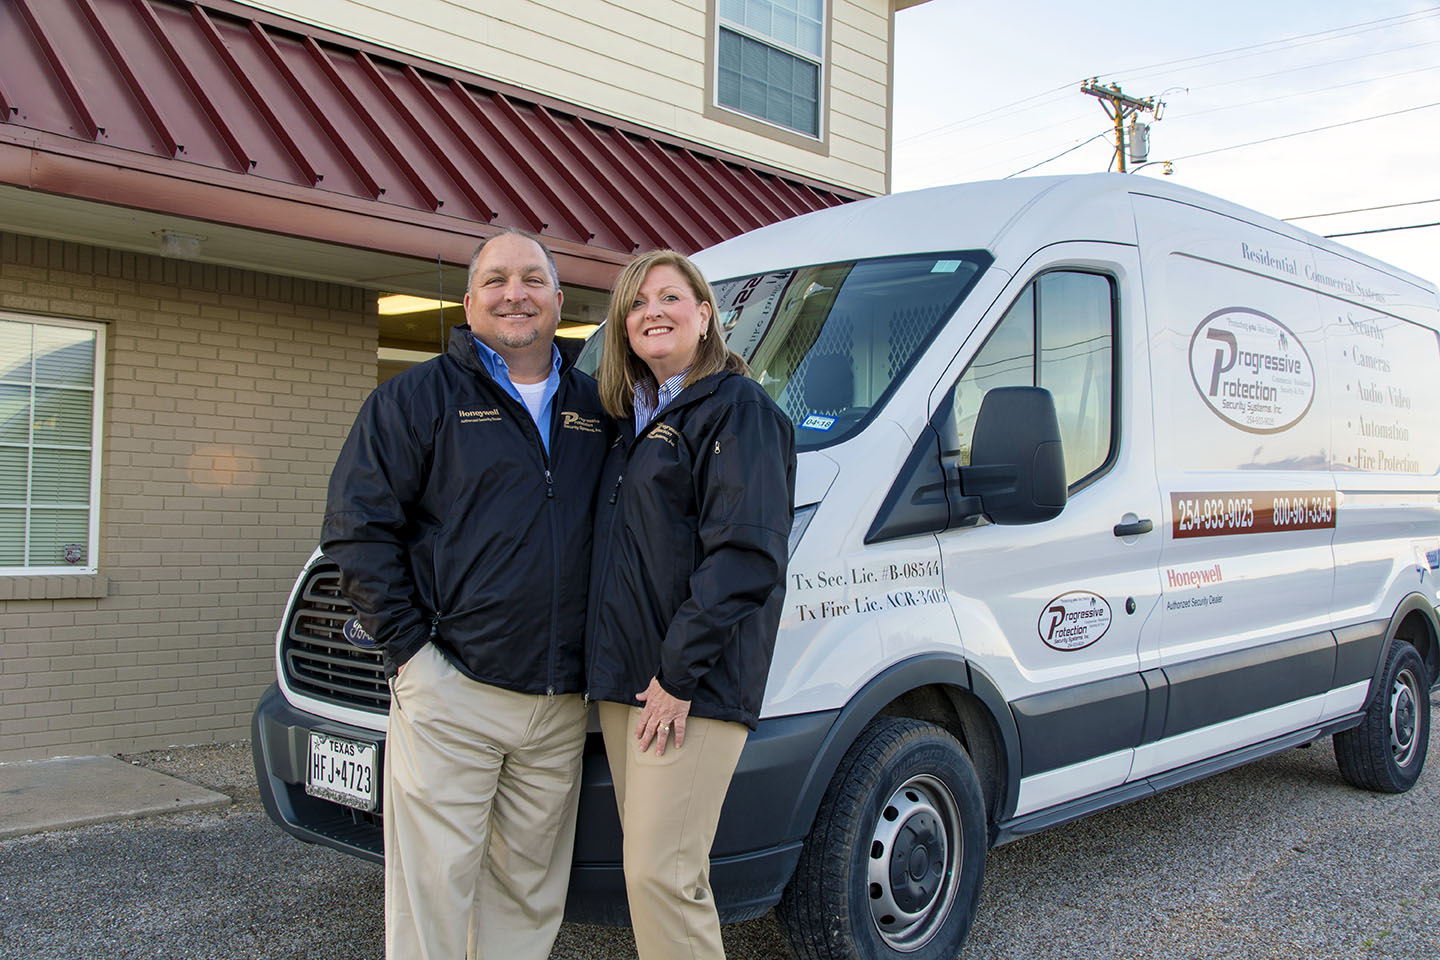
(664, 728)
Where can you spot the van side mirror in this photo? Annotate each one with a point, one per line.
(1017, 468)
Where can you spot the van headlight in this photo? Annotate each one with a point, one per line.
(797, 528)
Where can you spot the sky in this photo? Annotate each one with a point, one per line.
(986, 90)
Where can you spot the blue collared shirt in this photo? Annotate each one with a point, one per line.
(645, 407)
(500, 370)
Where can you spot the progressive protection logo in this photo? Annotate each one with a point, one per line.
(1251, 370)
(1074, 620)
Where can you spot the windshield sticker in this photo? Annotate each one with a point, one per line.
(817, 422)
(945, 266)
(1251, 370)
(745, 309)
(1074, 620)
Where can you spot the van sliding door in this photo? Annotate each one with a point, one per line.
(1242, 458)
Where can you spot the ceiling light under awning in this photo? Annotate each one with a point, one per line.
(398, 303)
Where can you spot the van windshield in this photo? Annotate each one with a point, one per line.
(829, 342)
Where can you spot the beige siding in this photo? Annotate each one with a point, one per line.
(227, 395)
(644, 61)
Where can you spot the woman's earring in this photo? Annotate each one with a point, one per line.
(705, 334)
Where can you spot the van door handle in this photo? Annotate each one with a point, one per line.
(1133, 529)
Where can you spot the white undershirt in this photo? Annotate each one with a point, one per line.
(534, 396)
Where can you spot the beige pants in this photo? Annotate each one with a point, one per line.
(481, 786)
(669, 808)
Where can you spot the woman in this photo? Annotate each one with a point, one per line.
(685, 595)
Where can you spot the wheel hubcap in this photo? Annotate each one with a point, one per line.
(1404, 716)
(915, 856)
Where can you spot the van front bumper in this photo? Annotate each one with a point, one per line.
(749, 866)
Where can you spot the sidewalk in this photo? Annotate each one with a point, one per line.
(60, 794)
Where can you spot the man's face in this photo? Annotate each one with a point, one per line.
(513, 302)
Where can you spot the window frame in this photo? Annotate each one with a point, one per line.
(1112, 454)
(819, 142)
(91, 564)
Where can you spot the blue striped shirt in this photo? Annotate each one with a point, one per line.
(649, 401)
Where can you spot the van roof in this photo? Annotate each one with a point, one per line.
(1002, 216)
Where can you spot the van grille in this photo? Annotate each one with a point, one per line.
(318, 660)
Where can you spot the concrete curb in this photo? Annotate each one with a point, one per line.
(44, 795)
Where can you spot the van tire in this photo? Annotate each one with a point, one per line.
(1386, 752)
(903, 788)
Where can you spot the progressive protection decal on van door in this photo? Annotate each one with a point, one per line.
(1251, 370)
(1074, 620)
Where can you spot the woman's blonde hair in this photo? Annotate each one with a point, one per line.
(620, 369)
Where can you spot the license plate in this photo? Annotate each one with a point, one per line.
(342, 770)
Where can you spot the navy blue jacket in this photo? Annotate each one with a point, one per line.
(692, 538)
(451, 524)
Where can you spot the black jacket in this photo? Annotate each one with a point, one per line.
(692, 531)
(449, 522)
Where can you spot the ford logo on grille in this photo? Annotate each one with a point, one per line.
(356, 634)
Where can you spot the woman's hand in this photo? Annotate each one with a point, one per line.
(662, 714)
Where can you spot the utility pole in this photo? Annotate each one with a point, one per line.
(1119, 106)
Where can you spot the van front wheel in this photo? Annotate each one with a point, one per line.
(1386, 752)
(894, 861)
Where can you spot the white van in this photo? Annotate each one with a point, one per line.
(1104, 486)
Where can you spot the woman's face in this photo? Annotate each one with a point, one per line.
(665, 322)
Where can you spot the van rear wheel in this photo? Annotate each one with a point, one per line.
(894, 861)
(1386, 752)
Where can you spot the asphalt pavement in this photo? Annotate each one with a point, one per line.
(1280, 859)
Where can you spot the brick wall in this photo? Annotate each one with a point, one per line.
(227, 396)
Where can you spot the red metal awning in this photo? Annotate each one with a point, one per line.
(219, 112)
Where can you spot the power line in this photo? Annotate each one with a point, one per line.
(1322, 63)
(1299, 93)
(1358, 233)
(1009, 108)
(1386, 22)
(1105, 133)
(1383, 206)
(1299, 133)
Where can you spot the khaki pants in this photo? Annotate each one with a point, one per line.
(481, 786)
(669, 808)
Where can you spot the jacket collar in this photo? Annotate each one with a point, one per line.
(694, 393)
(462, 350)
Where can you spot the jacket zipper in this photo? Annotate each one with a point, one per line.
(554, 583)
(610, 530)
(552, 651)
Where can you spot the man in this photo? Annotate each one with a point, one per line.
(459, 514)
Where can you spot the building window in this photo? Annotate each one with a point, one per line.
(770, 55)
(50, 390)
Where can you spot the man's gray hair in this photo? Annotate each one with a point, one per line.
(514, 232)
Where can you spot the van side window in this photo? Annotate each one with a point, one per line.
(1072, 317)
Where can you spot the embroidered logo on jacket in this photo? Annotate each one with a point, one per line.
(492, 415)
(573, 421)
(663, 431)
